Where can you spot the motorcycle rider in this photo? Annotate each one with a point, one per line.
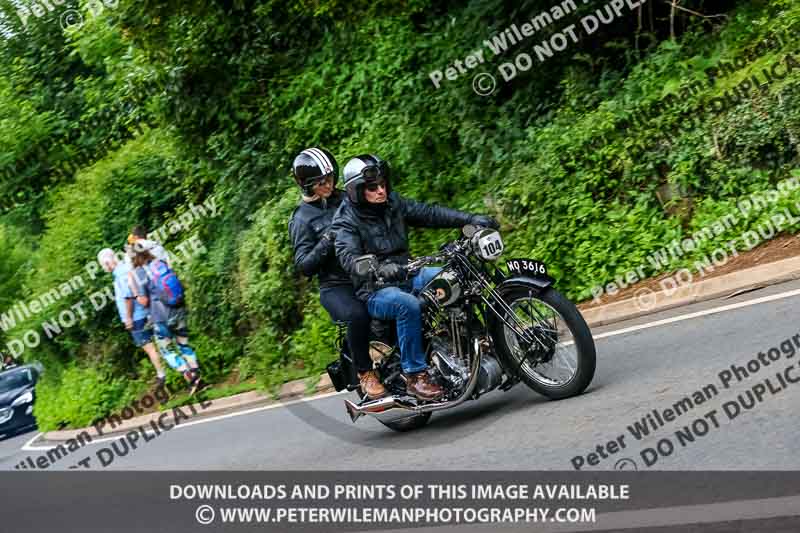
(374, 220)
(316, 172)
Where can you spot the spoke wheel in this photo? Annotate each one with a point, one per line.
(547, 342)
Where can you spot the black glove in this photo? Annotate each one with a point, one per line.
(329, 235)
(484, 221)
(391, 272)
(325, 246)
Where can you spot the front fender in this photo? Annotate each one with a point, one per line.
(538, 283)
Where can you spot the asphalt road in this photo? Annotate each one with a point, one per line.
(637, 372)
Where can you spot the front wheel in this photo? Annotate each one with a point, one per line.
(558, 358)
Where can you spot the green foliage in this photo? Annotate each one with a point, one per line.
(153, 106)
(134, 185)
(80, 396)
(269, 292)
(14, 256)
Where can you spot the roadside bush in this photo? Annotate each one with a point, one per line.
(80, 395)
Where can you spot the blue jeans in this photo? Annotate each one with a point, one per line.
(393, 303)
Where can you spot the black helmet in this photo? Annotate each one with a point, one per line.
(312, 164)
(363, 169)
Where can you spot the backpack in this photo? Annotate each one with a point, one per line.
(168, 288)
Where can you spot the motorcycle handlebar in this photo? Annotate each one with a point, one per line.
(415, 265)
(445, 250)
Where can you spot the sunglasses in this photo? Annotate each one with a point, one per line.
(374, 186)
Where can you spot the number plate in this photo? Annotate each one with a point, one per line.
(526, 266)
(490, 245)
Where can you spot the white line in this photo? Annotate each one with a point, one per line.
(698, 314)
(256, 409)
(25, 446)
(29, 448)
(95, 441)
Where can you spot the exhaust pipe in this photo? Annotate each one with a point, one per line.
(405, 406)
(381, 405)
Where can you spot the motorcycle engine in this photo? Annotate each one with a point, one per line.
(451, 367)
(490, 375)
(455, 370)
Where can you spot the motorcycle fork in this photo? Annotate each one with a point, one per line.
(481, 277)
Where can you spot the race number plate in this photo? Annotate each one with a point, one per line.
(490, 244)
(529, 267)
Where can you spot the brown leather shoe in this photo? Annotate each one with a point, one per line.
(371, 385)
(420, 385)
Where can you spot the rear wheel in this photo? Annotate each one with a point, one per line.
(384, 356)
(560, 360)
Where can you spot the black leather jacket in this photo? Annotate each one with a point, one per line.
(383, 230)
(312, 255)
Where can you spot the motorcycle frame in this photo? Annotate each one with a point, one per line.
(455, 257)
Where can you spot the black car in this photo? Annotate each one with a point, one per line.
(17, 395)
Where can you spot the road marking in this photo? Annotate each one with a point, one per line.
(765, 299)
(28, 447)
(24, 446)
(689, 316)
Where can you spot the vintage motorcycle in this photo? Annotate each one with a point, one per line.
(483, 329)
